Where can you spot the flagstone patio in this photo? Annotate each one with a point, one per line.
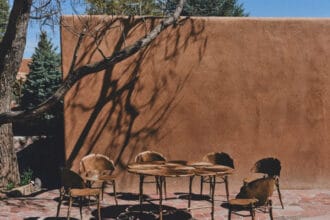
(299, 204)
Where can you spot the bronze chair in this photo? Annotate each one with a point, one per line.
(151, 157)
(252, 196)
(98, 164)
(218, 158)
(269, 167)
(73, 186)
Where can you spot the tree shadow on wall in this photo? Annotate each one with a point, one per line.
(128, 92)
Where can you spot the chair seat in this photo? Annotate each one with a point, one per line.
(253, 177)
(107, 177)
(84, 192)
(242, 202)
(73, 185)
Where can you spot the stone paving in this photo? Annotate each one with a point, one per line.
(299, 204)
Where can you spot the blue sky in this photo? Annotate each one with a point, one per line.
(256, 8)
(53, 33)
(287, 8)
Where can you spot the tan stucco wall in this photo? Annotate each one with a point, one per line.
(250, 87)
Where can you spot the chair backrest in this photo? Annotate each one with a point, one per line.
(96, 162)
(260, 189)
(219, 158)
(270, 166)
(70, 179)
(149, 156)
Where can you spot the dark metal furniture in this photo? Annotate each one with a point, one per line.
(166, 170)
(222, 159)
(73, 186)
(160, 172)
(151, 157)
(269, 167)
(98, 170)
(253, 195)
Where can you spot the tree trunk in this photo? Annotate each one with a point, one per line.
(8, 161)
(11, 54)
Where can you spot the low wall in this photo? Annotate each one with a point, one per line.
(251, 87)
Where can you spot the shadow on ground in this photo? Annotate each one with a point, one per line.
(145, 212)
(196, 197)
(49, 218)
(129, 196)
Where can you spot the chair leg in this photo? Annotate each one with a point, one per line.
(156, 185)
(60, 202)
(213, 180)
(165, 193)
(215, 183)
(252, 211)
(70, 204)
(80, 206)
(277, 183)
(141, 191)
(202, 182)
(98, 207)
(102, 189)
(160, 186)
(270, 207)
(114, 191)
(225, 179)
(191, 178)
(229, 213)
(210, 181)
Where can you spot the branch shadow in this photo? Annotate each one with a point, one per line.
(146, 212)
(49, 218)
(194, 197)
(126, 92)
(129, 196)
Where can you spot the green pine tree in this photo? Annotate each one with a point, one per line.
(122, 7)
(44, 77)
(4, 13)
(209, 8)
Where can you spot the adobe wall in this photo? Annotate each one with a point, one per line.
(251, 87)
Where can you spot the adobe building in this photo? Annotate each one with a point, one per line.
(251, 87)
(21, 76)
(24, 70)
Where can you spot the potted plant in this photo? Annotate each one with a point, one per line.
(26, 187)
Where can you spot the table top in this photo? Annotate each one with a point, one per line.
(172, 169)
(218, 168)
(143, 166)
(165, 171)
(200, 164)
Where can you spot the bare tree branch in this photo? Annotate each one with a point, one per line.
(97, 42)
(75, 56)
(42, 5)
(44, 16)
(77, 74)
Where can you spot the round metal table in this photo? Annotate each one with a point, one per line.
(175, 170)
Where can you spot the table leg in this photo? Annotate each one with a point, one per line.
(160, 185)
(227, 187)
(141, 191)
(212, 180)
(190, 189)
